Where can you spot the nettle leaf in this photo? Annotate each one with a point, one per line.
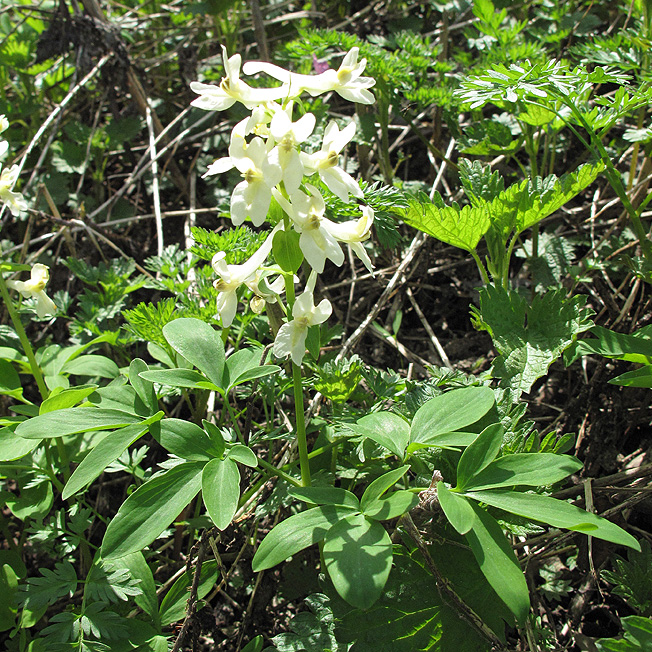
(52, 586)
(385, 428)
(358, 556)
(296, 533)
(557, 513)
(150, 509)
(525, 204)
(528, 337)
(460, 227)
(480, 183)
(448, 413)
(200, 344)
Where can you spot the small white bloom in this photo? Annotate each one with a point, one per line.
(14, 200)
(291, 337)
(251, 197)
(354, 233)
(287, 135)
(35, 287)
(325, 162)
(307, 215)
(4, 123)
(233, 276)
(346, 80)
(232, 89)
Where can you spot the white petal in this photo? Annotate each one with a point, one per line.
(44, 305)
(340, 183)
(219, 166)
(321, 313)
(342, 139)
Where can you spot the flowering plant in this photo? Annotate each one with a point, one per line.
(266, 149)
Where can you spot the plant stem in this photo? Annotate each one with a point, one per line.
(27, 347)
(302, 441)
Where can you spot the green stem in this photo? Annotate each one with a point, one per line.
(27, 347)
(302, 441)
(481, 267)
(278, 472)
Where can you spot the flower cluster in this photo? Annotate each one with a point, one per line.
(265, 148)
(14, 200)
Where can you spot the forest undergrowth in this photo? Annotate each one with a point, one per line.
(325, 327)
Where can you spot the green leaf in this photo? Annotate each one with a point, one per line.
(459, 227)
(448, 412)
(50, 587)
(412, 616)
(326, 496)
(296, 533)
(220, 483)
(358, 556)
(173, 605)
(286, 251)
(218, 445)
(66, 398)
(91, 365)
(392, 506)
(35, 500)
(385, 428)
(13, 447)
(380, 485)
(10, 381)
(200, 344)
(8, 590)
(150, 509)
(479, 454)
(528, 337)
(530, 469)
(498, 563)
(144, 388)
(457, 509)
(638, 378)
(139, 570)
(243, 454)
(106, 452)
(244, 365)
(183, 439)
(557, 513)
(179, 378)
(73, 420)
(108, 583)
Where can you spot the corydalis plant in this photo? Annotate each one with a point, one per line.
(266, 149)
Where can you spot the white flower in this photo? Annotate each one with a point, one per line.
(325, 162)
(232, 89)
(4, 123)
(233, 276)
(354, 233)
(346, 80)
(291, 337)
(287, 135)
(14, 200)
(35, 287)
(307, 215)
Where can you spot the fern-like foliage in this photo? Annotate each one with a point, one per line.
(53, 585)
(239, 243)
(106, 583)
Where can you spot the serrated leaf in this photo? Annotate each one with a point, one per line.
(460, 227)
(529, 338)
